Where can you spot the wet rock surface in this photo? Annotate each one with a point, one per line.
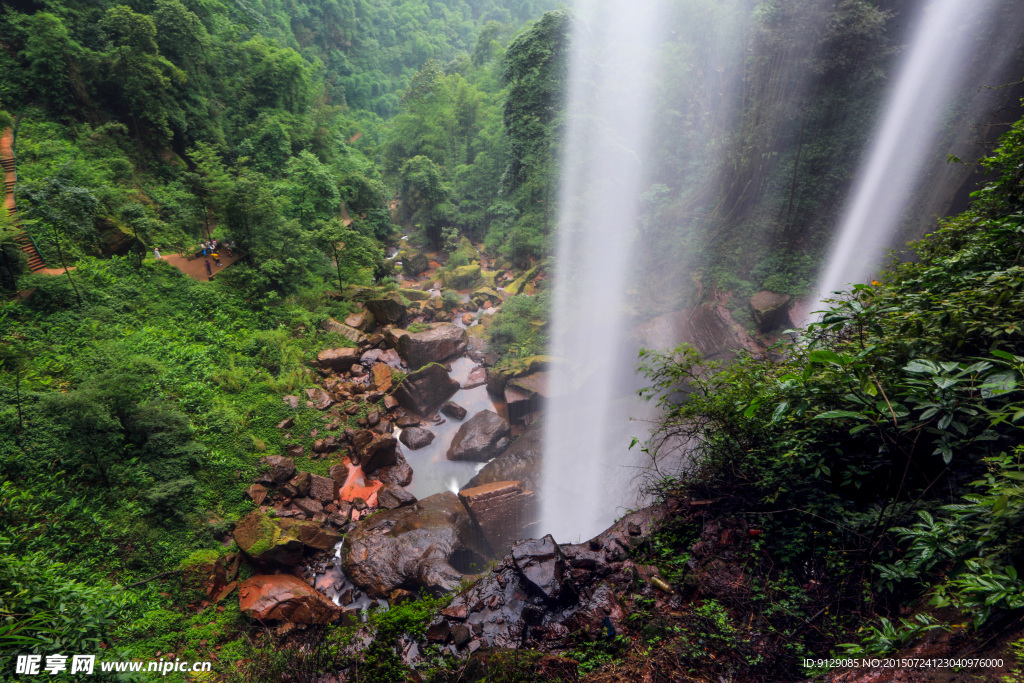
(480, 438)
(414, 547)
(519, 462)
(542, 595)
(425, 390)
(282, 597)
(503, 510)
(771, 310)
(440, 343)
(416, 437)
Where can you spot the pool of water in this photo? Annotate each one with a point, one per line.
(432, 471)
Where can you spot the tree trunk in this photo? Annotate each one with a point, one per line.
(337, 264)
(60, 255)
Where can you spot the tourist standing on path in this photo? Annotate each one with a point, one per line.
(209, 270)
(156, 253)
(217, 259)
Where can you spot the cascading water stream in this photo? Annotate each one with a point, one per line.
(609, 109)
(904, 143)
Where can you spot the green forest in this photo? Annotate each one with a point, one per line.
(381, 179)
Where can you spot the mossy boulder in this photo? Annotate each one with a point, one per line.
(279, 542)
(462, 277)
(263, 540)
(390, 309)
(413, 262)
(489, 277)
(522, 283)
(414, 294)
(359, 292)
(484, 295)
(499, 375)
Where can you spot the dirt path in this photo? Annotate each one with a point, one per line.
(195, 269)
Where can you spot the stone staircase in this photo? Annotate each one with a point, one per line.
(35, 261)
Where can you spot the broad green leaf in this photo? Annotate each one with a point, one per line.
(825, 356)
(999, 383)
(834, 414)
(922, 367)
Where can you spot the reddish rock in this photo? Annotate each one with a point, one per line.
(295, 451)
(382, 376)
(283, 597)
(363, 320)
(286, 424)
(292, 401)
(502, 510)
(336, 360)
(356, 486)
(467, 318)
(257, 493)
(390, 402)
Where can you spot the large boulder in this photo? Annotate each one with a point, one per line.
(380, 451)
(310, 534)
(414, 294)
(542, 595)
(389, 309)
(336, 360)
(462, 277)
(441, 342)
(283, 597)
(353, 334)
(263, 540)
(361, 320)
(425, 390)
(382, 376)
(520, 462)
(399, 474)
(708, 327)
(771, 310)
(479, 438)
(502, 510)
(414, 547)
(413, 262)
(279, 470)
(526, 395)
(485, 295)
(542, 564)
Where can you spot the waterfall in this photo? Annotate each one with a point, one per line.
(916, 110)
(610, 93)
